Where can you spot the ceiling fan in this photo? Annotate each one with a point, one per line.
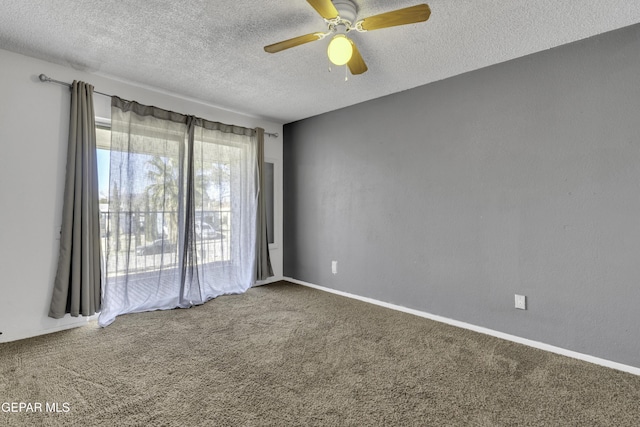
(340, 17)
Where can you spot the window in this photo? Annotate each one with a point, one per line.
(178, 209)
(151, 221)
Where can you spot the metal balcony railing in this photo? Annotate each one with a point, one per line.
(144, 241)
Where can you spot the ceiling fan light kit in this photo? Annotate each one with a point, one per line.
(340, 18)
(340, 49)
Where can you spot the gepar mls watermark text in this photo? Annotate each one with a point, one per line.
(36, 407)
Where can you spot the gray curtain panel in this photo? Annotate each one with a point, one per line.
(263, 261)
(77, 287)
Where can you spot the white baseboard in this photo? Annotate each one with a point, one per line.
(29, 333)
(535, 344)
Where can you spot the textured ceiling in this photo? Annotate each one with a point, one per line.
(213, 50)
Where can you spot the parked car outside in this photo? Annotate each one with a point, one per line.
(156, 247)
(206, 231)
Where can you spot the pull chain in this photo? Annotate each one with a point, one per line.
(346, 72)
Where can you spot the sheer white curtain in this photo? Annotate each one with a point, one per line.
(180, 229)
(225, 197)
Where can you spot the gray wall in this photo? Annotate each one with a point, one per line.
(523, 177)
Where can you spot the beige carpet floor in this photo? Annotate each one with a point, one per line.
(284, 354)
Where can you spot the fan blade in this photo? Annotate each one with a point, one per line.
(296, 41)
(356, 63)
(325, 8)
(408, 15)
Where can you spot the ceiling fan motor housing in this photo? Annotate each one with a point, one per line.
(346, 10)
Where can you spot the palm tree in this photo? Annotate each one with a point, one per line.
(114, 214)
(164, 192)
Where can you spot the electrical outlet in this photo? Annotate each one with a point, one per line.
(521, 302)
(334, 267)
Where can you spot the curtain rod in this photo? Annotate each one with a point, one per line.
(46, 79)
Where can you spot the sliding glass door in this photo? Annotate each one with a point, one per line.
(178, 220)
